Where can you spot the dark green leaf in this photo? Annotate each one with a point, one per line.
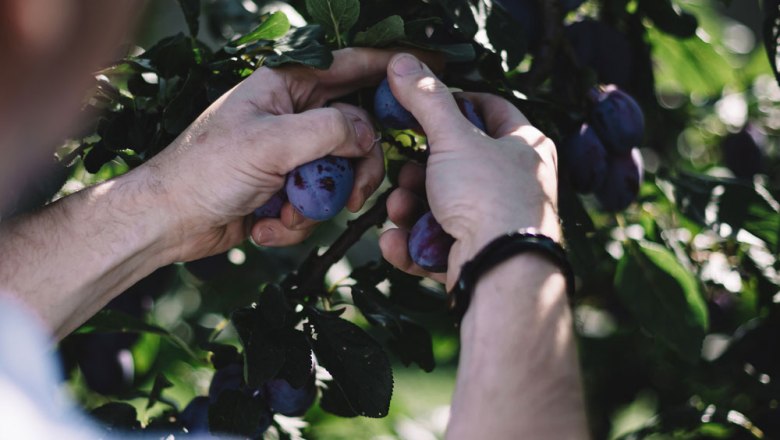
(663, 296)
(298, 363)
(223, 355)
(335, 402)
(302, 46)
(413, 344)
(336, 16)
(743, 207)
(236, 413)
(384, 33)
(264, 356)
(273, 306)
(359, 366)
(502, 31)
(172, 56)
(160, 383)
(274, 27)
(117, 416)
(459, 12)
(668, 19)
(186, 106)
(191, 10)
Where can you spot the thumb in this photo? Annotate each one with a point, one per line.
(426, 97)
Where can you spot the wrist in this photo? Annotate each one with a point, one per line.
(151, 227)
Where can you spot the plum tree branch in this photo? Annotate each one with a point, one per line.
(548, 48)
(311, 273)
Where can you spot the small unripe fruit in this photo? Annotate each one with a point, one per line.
(622, 182)
(617, 119)
(584, 158)
(429, 244)
(320, 189)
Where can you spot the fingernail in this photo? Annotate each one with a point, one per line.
(264, 236)
(406, 65)
(365, 134)
(296, 220)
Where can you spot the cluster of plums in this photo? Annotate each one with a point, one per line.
(319, 189)
(276, 396)
(429, 244)
(601, 157)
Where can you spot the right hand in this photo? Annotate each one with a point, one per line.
(478, 185)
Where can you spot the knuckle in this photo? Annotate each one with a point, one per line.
(332, 123)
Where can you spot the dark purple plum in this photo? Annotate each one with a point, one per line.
(230, 377)
(284, 399)
(603, 49)
(468, 110)
(273, 207)
(429, 244)
(621, 185)
(320, 189)
(743, 153)
(195, 416)
(617, 119)
(584, 158)
(390, 113)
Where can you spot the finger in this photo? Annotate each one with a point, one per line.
(504, 119)
(271, 232)
(369, 174)
(294, 220)
(428, 99)
(296, 139)
(394, 246)
(412, 177)
(501, 117)
(355, 68)
(405, 207)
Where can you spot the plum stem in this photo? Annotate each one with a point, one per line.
(311, 273)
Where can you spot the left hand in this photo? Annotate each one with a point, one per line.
(236, 155)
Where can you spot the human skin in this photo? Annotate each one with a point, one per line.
(518, 375)
(71, 258)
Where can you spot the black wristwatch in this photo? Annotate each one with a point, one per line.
(500, 250)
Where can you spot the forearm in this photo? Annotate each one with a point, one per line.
(518, 375)
(71, 258)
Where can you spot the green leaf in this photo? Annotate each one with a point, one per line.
(263, 354)
(668, 19)
(272, 28)
(302, 46)
(663, 296)
(191, 10)
(160, 384)
(359, 366)
(459, 12)
(336, 16)
(108, 320)
(410, 341)
(386, 32)
(502, 31)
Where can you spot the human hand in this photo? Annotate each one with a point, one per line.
(236, 155)
(478, 186)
